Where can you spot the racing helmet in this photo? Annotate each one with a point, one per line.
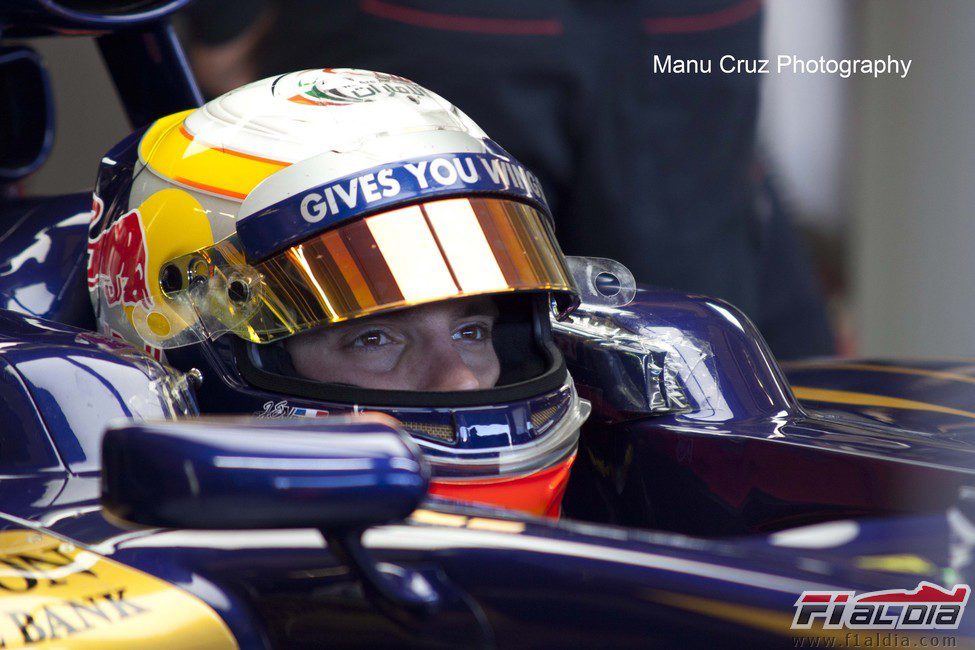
(324, 197)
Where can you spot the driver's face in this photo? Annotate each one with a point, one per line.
(437, 347)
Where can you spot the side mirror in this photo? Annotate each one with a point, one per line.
(27, 107)
(340, 473)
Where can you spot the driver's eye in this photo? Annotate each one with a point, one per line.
(472, 332)
(372, 339)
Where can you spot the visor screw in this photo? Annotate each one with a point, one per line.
(607, 284)
(194, 377)
(238, 291)
(170, 279)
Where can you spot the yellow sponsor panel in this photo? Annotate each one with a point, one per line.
(830, 396)
(903, 563)
(55, 595)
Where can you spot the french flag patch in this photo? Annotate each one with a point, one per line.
(308, 413)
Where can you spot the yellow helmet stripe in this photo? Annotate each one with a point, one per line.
(189, 136)
(171, 151)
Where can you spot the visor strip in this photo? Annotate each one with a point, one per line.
(306, 214)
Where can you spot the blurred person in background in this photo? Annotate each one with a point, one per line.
(656, 170)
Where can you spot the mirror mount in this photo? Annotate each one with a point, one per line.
(402, 594)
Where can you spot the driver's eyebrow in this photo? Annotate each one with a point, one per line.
(485, 307)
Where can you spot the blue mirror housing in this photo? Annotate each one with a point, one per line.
(26, 18)
(249, 473)
(27, 107)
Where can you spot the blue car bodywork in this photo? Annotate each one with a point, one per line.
(706, 497)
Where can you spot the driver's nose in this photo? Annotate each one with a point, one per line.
(446, 370)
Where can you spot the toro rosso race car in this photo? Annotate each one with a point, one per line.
(717, 499)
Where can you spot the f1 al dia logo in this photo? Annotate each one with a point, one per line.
(929, 607)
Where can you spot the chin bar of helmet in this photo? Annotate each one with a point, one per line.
(551, 447)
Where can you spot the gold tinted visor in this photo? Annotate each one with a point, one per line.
(409, 256)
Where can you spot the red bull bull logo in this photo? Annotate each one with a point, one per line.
(117, 259)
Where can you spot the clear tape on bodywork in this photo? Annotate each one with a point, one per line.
(166, 393)
(647, 370)
(169, 391)
(652, 370)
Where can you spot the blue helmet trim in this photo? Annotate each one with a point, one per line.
(308, 213)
